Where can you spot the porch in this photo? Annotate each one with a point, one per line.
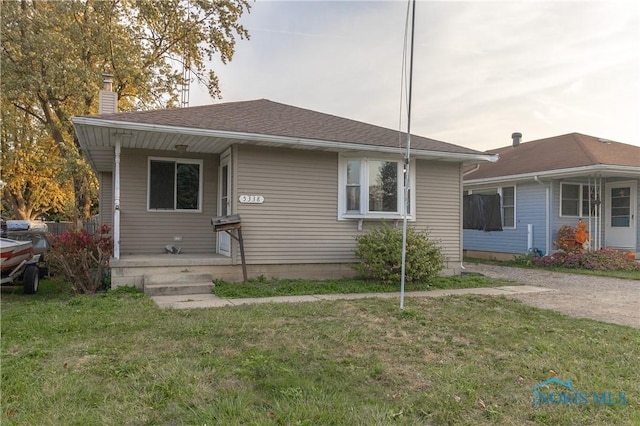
(167, 274)
(173, 273)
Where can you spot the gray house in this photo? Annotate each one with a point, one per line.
(304, 184)
(547, 183)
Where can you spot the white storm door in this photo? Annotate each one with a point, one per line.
(223, 246)
(620, 216)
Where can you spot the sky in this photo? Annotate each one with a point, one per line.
(482, 70)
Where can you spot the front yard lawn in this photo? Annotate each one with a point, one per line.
(118, 359)
(269, 287)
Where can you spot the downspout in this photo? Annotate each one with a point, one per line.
(477, 166)
(462, 268)
(598, 230)
(547, 219)
(116, 200)
(472, 170)
(589, 211)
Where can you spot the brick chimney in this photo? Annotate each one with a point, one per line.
(107, 98)
(516, 138)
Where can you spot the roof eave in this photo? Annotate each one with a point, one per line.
(284, 140)
(600, 170)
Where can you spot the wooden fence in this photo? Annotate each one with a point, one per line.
(58, 228)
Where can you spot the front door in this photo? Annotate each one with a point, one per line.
(620, 220)
(224, 202)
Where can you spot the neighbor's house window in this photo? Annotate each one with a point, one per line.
(175, 184)
(507, 203)
(574, 200)
(373, 188)
(509, 207)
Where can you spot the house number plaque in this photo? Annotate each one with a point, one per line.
(251, 199)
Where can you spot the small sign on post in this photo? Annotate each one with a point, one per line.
(228, 224)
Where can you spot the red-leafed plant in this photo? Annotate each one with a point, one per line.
(82, 258)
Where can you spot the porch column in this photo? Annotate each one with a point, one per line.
(116, 198)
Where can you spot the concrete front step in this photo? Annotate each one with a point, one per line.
(178, 284)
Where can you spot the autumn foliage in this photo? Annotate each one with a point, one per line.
(81, 258)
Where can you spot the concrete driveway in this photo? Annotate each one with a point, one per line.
(611, 300)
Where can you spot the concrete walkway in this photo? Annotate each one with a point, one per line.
(213, 301)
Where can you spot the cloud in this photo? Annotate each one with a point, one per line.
(481, 69)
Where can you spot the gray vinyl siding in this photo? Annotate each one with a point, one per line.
(297, 223)
(146, 232)
(530, 209)
(438, 206)
(105, 210)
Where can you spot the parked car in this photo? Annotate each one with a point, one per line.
(30, 230)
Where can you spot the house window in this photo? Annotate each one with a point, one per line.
(574, 200)
(383, 186)
(175, 185)
(353, 186)
(372, 188)
(570, 196)
(509, 207)
(507, 203)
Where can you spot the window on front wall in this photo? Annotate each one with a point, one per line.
(509, 206)
(175, 185)
(507, 203)
(574, 200)
(372, 188)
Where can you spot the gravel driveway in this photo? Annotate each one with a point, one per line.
(604, 299)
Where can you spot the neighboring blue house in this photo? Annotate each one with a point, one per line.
(557, 181)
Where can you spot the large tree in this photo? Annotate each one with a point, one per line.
(34, 178)
(54, 53)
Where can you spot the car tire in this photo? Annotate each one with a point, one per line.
(31, 279)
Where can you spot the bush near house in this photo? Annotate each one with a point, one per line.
(601, 260)
(81, 258)
(380, 254)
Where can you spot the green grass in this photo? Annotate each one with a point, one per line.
(269, 287)
(117, 359)
(627, 275)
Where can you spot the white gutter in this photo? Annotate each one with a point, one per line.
(547, 214)
(575, 171)
(284, 140)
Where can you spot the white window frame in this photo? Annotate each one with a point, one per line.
(581, 200)
(364, 212)
(200, 163)
(499, 191)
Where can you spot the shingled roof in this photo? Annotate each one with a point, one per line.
(558, 153)
(265, 117)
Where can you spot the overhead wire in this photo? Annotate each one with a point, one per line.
(403, 81)
(407, 161)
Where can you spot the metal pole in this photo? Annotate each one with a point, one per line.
(407, 161)
(116, 199)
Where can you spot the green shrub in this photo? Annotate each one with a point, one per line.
(380, 255)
